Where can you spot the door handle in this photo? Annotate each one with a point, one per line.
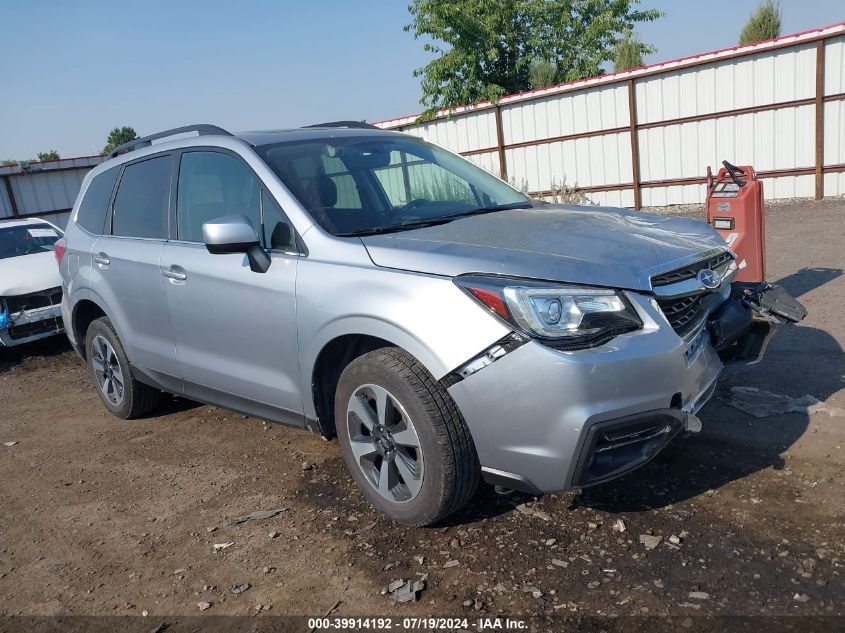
(176, 273)
(102, 259)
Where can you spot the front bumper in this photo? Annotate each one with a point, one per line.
(31, 325)
(537, 415)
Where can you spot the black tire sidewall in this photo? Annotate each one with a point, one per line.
(430, 500)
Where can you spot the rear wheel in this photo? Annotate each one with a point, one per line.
(403, 439)
(118, 389)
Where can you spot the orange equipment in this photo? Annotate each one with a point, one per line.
(736, 209)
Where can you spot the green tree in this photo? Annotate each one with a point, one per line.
(764, 23)
(51, 155)
(485, 48)
(119, 136)
(629, 52)
(543, 73)
(8, 162)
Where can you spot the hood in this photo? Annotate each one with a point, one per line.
(28, 273)
(584, 245)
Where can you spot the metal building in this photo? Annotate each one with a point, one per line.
(43, 188)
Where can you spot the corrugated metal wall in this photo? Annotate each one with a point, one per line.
(46, 189)
(752, 105)
(834, 115)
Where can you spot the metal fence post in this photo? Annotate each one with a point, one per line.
(12, 202)
(500, 144)
(820, 48)
(635, 143)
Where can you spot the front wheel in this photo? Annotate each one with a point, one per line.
(108, 365)
(403, 439)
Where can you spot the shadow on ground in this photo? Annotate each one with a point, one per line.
(803, 281)
(11, 357)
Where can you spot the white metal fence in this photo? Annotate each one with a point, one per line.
(645, 137)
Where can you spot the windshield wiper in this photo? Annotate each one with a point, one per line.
(402, 226)
(491, 209)
(420, 224)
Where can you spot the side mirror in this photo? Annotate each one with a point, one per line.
(234, 234)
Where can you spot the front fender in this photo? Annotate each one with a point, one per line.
(427, 316)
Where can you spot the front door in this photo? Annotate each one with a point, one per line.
(235, 329)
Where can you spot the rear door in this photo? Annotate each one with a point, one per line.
(235, 329)
(126, 261)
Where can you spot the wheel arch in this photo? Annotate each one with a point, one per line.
(86, 309)
(343, 343)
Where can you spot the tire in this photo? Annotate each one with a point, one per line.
(133, 399)
(422, 484)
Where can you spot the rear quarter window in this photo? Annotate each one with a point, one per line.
(95, 203)
(142, 202)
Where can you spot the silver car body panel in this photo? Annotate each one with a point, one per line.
(584, 245)
(528, 412)
(427, 316)
(256, 338)
(216, 311)
(126, 274)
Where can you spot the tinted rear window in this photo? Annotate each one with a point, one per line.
(142, 200)
(95, 204)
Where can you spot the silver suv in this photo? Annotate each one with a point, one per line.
(374, 286)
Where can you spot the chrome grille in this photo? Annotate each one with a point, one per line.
(689, 272)
(682, 313)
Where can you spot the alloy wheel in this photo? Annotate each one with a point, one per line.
(385, 443)
(107, 370)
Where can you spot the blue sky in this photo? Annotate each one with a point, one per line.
(73, 70)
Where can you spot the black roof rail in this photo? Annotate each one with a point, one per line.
(350, 124)
(201, 129)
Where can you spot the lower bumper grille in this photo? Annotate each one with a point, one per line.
(615, 447)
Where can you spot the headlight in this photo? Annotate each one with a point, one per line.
(564, 317)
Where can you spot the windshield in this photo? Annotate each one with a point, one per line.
(26, 239)
(368, 184)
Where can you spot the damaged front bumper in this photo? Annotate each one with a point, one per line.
(545, 420)
(21, 325)
(743, 326)
(532, 410)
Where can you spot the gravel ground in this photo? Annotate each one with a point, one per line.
(104, 517)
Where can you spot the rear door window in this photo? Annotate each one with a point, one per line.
(211, 185)
(143, 199)
(95, 204)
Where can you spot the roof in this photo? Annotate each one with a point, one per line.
(673, 64)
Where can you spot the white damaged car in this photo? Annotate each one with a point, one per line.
(30, 286)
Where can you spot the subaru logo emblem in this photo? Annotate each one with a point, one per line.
(710, 279)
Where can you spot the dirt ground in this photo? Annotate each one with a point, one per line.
(105, 517)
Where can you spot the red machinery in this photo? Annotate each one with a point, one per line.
(736, 209)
